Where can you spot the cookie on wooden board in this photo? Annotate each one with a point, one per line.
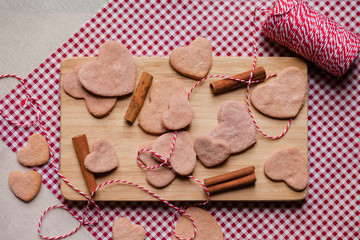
(206, 226)
(179, 113)
(281, 96)
(102, 158)
(123, 229)
(290, 166)
(211, 152)
(25, 185)
(97, 105)
(151, 115)
(112, 74)
(193, 61)
(183, 158)
(35, 152)
(235, 127)
(159, 177)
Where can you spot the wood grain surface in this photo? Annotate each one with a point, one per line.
(126, 139)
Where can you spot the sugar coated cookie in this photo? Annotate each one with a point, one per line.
(123, 229)
(211, 152)
(235, 127)
(159, 177)
(103, 157)
(151, 115)
(290, 166)
(112, 74)
(98, 106)
(35, 153)
(183, 158)
(206, 226)
(282, 96)
(25, 185)
(193, 61)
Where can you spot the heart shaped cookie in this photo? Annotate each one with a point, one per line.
(98, 106)
(35, 153)
(25, 185)
(235, 127)
(159, 177)
(290, 166)
(193, 61)
(183, 158)
(211, 152)
(123, 229)
(179, 113)
(112, 74)
(206, 226)
(103, 157)
(282, 96)
(151, 115)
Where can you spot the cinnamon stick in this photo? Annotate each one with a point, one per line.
(82, 149)
(234, 184)
(226, 85)
(138, 98)
(229, 176)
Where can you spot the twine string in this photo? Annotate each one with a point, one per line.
(312, 35)
(165, 161)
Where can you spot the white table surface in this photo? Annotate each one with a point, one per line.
(29, 32)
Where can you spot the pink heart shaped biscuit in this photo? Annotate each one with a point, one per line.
(103, 157)
(123, 229)
(112, 74)
(288, 165)
(211, 152)
(159, 177)
(193, 61)
(98, 106)
(235, 127)
(179, 113)
(25, 185)
(151, 115)
(207, 227)
(183, 158)
(282, 96)
(35, 153)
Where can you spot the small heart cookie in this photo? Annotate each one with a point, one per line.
(290, 166)
(151, 115)
(25, 185)
(282, 96)
(103, 157)
(211, 152)
(193, 61)
(123, 229)
(35, 153)
(112, 74)
(159, 177)
(98, 106)
(183, 158)
(235, 127)
(206, 226)
(179, 113)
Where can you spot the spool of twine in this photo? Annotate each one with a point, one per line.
(312, 35)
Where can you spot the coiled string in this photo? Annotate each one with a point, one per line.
(312, 35)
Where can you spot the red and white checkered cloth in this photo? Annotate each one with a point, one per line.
(154, 28)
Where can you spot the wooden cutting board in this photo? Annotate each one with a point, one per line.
(126, 139)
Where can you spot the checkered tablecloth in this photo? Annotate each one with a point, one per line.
(154, 28)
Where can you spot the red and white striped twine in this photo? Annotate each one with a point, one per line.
(312, 35)
(81, 219)
(284, 28)
(37, 108)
